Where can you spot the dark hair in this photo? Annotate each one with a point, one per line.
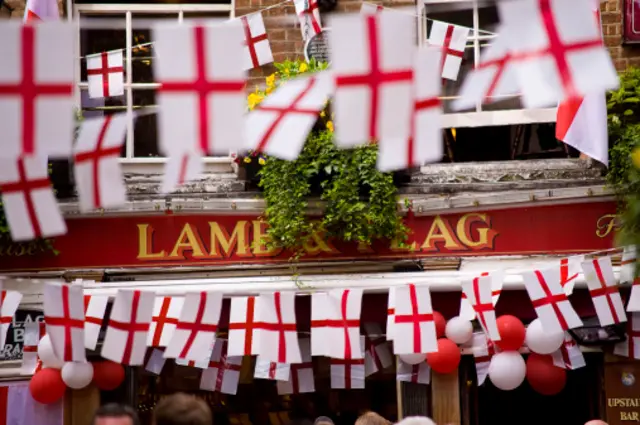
(115, 410)
(182, 409)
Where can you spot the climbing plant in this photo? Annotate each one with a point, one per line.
(360, 202)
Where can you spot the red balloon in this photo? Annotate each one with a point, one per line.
(446, 359)
(441, 324)
(543, 376)
(47, 386)
(512, 333)
(107, 375)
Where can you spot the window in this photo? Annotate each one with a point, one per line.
(499, 131)
(106, 26)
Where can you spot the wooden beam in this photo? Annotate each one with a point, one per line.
(80, 405)
(445, 398)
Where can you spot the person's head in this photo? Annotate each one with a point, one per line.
(182, 409)
(416, 420)
(323, 420)
(596, 422)
(115, 414)
(371, 418)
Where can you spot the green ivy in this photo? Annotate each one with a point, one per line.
(361, 202)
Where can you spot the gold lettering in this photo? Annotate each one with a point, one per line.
(222, 242)
(441, 231)
(145, 244)
(623, 402)
(486, 235)
(319, 243)
(364, 248)
(189, 240)
(260, 240)
(606, 224)
(629, 416)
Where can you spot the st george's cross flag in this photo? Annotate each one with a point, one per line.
(41, 10)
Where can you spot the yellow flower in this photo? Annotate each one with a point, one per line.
(330, 126)
(254, 99)
(261, 161)
(271, 80)
(322, 114)
(635, 157)
(247, 159)
(303, 67)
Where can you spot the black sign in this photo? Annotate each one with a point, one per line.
(317, 47)
(12, 349)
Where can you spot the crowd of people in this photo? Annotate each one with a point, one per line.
(184, 409)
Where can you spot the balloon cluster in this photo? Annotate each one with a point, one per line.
(508, 369)
(49, 384)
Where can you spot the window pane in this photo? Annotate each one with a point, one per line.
(142, 52)
(462, 14)
(100, 40)
(93, 108)
(145, 139)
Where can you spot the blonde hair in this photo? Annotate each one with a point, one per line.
(371, 418)
(416, 420)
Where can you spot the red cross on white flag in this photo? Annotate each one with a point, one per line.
(309, 16)
(97, 162)
(416, 373)
(28, 200)
(570, 269)
(320, 305)
(348, 373)
(425, 142)
(41, 10)
(451, 41)
(95, 307)
(105, 74)
(196, 328)
(603, 289)
(200, 364)
(479, 294)
(414, 330)
(36, 89)
(31, 363)
(276, 336)
(201, 77)
(560, 54)
(391, 311)
(483, 350)
(280, 125)
(9, 302)
(181, 169)
(64, 316)
(569, 356)
(371, 9)
(166, 312)
(126, 339)
(376, 81)
(301, 378)
(467, 311)
(241, 326)
(271, 370)
(377, 352)
(491, 80)
(549, 300)
(341, 324)
(631, 346)
(223, 373)
(257, 47)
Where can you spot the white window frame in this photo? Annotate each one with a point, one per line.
(480, 118)
(130, 163)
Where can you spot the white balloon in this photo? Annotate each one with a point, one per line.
(77, 375)
(413, 358)
(47, 355)
(541, 341)
(459, 330)
(507, 370)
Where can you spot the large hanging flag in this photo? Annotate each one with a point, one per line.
(41, 10)
(17, 407)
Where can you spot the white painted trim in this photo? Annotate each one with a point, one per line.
(215, 164)
(493, 118)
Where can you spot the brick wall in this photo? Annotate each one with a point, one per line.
(612, 12)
